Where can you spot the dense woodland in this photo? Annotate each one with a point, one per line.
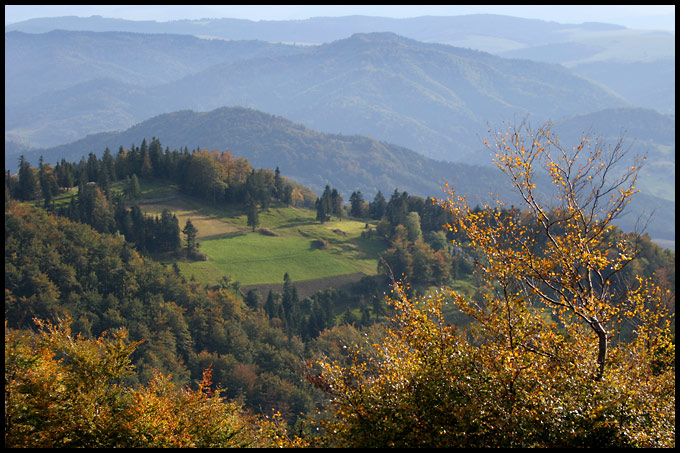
(93, 321)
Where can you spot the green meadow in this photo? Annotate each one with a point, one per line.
(296, 242)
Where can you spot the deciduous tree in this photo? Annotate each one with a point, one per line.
(542, 362)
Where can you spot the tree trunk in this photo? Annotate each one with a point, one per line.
(602, 347)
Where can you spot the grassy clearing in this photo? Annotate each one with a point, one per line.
(254, 258)
(251, 258)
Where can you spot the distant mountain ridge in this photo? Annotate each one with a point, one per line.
(59, 59)
(432, 98)
(508, 32)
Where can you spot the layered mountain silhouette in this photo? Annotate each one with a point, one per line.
(432, 98)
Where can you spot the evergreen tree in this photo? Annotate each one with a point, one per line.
(109, 165)
(147, 169)
(270, 306)
(190, 231)
(27, 187)
(92, 167)
(278, 185)
(253, 216)
(378, 207)
(356, 200)
(252, 298)
(65, 172)
(336, 203)
(321, 213)
(397, 208)
(132, 189)
(326, 199)
(156, 157)
(169, 232)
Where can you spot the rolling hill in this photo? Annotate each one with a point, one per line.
(637, 64)
(355, 162)
(312, 158)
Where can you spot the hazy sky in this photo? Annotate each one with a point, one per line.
(658, 17)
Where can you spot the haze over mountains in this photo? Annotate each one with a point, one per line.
(432, 98)
(609, 54)
(414, 83)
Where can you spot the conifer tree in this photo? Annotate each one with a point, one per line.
(251, 212)
(27, 187)
(336, 203)
(356, 200)
(378, 206)
(190, 232)
(321, 213)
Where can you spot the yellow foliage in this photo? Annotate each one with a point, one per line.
(557, 354)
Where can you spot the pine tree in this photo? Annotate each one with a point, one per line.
(253, 216)
(27, 187)
(321, 213)
(278, 185)
(190, 231)
(378, 207)
(132, 189)
(336, 203)
(356, 200)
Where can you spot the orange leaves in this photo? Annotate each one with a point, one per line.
(78, 401)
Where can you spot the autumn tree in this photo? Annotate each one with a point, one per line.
(571, 273)
(542, 362)
(63, 390)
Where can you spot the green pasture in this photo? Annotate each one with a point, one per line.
(253, 258)
(233, 249)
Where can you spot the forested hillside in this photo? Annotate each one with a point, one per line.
(284, 356)
(314, 159)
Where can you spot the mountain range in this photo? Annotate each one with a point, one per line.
(637, 64)
(433, 98)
